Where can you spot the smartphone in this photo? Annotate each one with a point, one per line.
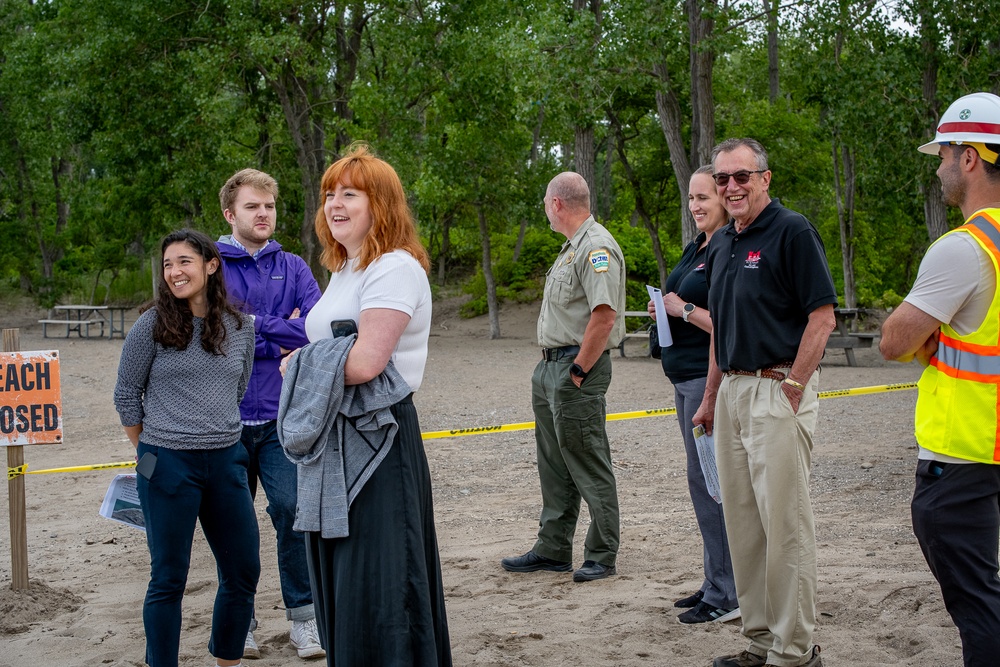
(146, 465)
(341, 328)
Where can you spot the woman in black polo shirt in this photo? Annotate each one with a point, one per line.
(685, 363)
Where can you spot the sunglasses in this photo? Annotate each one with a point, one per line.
(742, 177)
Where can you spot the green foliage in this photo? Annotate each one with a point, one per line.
(889, 299)
(122, 119)
(521, 281)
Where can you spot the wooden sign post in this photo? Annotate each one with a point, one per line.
(30, 413)
(15, 492)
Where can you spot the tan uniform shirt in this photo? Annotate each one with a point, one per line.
(589, 272)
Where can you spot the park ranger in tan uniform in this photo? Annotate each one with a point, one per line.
(582, 318)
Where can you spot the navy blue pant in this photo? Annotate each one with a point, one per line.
(956, 518)
(186, 486)
(280, 481)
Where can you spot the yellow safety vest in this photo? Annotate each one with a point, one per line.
(958, 405)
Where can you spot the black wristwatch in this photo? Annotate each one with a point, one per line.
(577, 370)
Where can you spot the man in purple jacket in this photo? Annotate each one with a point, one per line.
(278, 289)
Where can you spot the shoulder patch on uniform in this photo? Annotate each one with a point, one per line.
(600, 260)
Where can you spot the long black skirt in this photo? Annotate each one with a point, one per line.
(378, 594)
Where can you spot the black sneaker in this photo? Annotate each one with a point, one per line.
(706, 613)
(532, 562)
(689, 601)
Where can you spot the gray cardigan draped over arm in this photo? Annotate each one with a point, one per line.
(336, 435)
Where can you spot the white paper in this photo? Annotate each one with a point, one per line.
(662, 326)
(706, 456)
(121, 502)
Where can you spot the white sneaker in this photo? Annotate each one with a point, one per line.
(250, 649)
(304, 637)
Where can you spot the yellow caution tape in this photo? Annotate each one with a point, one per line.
(655, 412)
(859, 391)
(23, 470)
(501, 428)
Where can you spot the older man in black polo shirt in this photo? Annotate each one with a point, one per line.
(771, 298)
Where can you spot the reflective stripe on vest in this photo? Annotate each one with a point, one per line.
(958, 407)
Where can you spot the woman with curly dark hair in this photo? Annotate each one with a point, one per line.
(183, 371)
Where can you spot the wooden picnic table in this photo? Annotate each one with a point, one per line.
(641, 332)
(80, 318)
(847, 337)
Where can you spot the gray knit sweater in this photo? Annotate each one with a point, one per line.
(184, 399)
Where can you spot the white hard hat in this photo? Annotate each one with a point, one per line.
(973, 118)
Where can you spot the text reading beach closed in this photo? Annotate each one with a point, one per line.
(30, 402)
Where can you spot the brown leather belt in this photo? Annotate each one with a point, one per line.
(771, 372)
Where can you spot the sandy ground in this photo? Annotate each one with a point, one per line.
(878, 603)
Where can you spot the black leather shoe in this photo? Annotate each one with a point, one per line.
(741, 659)
(593, 570)
(532, 562)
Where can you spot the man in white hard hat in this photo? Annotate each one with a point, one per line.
(950, 322)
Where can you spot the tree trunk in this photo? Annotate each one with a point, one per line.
(584, 158)
(308, 136)
(640, 202)
(445, 247)
(607, 184)
(492, 304)
(702, 65)
(52, 252)
(935, 214)
(536, 138)
(302, 99)
(348, 46)
(843, 158)
(584, 154)
(669, 112)
(771, 7)
(701, 61)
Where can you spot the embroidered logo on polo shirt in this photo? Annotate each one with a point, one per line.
(600, 260)
(277, 277)
(753, 259)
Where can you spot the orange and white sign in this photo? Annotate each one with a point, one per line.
(30, 398)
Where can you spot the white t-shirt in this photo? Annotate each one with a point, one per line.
(955, 285)
(395, 281)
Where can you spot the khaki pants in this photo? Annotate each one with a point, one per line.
(764, 454)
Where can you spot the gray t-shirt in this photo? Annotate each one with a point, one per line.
(184, 399)
(955, 283)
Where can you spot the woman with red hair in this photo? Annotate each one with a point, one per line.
(378, 591)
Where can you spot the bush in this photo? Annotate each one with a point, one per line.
(888, 300)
